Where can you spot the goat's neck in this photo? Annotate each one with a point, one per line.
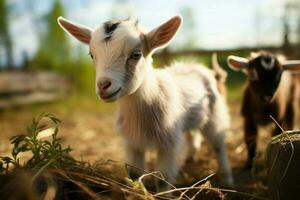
(148, 89)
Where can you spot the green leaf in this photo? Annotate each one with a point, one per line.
(6, 159)
(42, 150)
(17, 139)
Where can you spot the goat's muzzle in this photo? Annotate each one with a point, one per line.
(108, 97)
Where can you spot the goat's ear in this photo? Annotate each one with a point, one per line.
(80, 32)
(293, 65)
(161, 35)
(237, 63)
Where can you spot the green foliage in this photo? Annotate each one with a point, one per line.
(138, 185)
(5, 37)
(44, 153)
(54, 53)
(189, 28)
(54, 50)
(83, 74)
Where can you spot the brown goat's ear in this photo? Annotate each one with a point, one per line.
(80, 32)
(161, 35)
(237, 63)
(293, 65)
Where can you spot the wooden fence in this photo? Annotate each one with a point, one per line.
(23, 88)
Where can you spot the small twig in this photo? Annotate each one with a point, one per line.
(242, 193)
(277, 150)
(290, 158)
(197, 183)
(153, 174)
(284, 133)
(41, 170)
(161, 178)
(80, 185)
(291, 132)
(279, 126)
(101, 192)
(212, 189)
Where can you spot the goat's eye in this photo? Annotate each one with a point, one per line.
(90, 54)
(136, 54)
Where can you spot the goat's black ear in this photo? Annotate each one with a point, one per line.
(162, 35)
(293, 65)
(237, 63)
(80, 32)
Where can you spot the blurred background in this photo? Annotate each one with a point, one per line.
(43, 69)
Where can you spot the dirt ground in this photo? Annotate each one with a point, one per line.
(88, 127)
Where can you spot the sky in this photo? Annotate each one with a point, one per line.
(208, 24)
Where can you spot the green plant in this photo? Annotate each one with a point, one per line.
(45, 153)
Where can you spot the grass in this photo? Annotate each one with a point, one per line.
(51, 170)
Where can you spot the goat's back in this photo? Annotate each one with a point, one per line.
(199, 94)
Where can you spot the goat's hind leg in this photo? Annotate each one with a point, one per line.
(217, 139)
(167, 163)
(194, 143)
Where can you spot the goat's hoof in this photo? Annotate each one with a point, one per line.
(249, 164)
(228, 182)
(133, 174)
(162, 186)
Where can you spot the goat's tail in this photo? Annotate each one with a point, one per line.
(220, 74)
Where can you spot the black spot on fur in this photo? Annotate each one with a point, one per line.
(109, 28)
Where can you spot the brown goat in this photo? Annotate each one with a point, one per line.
(271, 90)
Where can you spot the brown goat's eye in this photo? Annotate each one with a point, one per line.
(91, 55)
(136, 54)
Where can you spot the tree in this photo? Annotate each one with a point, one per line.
(286, 28)
(290, 15)
(54, 48)
(5, 38)
(189, 28)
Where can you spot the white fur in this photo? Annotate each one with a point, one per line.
(158, 106)
(183, 94)
(268, 66)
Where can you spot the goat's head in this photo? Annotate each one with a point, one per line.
(264, 71)
(121, 52)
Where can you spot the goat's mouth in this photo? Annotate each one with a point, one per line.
(109, 96)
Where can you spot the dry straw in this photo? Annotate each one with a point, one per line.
(53, 165)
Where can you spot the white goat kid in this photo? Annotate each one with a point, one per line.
(156, 106)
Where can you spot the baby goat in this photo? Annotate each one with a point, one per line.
(156, 106)
(271, 89)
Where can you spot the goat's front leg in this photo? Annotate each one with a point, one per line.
(136, 159)
(167, 163)
(250, 129)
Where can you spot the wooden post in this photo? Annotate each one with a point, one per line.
(283, 165)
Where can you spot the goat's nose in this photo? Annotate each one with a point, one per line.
(267, 98)
(268, 59)
(104, 85)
